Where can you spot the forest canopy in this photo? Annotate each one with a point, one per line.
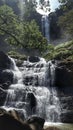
(66, 19)
(20, 32)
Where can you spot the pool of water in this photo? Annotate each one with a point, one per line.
(61, 126)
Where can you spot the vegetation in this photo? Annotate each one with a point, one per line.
(20, 58)
(62, 52)
(14, 4)
(19, 33)
(66, 22)
(17, 55)
(66, 19)
(29, 9)
(61, 20)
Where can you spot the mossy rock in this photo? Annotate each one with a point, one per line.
(17, 55)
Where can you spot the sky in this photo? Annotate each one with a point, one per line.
(53, 5)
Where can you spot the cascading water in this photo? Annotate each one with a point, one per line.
(46, 27)
(31, 94)
(21, 8)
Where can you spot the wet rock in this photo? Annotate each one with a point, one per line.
(6, 77)
(32, 102)
(64, 83)
(12, 112)
(34, 59)
(30, 80)
(66, 100)
(67, 117)
(6, 85)
(37, 122)
(64, 75)
(5, 62)
(12, 122)
(8, 122)
(3, 94)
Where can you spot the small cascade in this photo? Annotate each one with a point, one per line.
(16, 72)
(33, 91)
(46, 27)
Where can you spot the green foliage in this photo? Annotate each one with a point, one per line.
(12, 3)
(61, 52)
(18, 33)
(33, 37)
(17, 55)
(50, 52)
(29, 9)
(66, 21)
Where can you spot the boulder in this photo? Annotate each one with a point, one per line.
(5, 62)
(8, 122)
(37, 122)
(12, 112)
(34, 59)
(6, 76)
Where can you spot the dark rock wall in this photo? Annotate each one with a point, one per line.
(64, 83)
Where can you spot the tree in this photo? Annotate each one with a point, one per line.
(29, 9)
(33, 37)
(66, 19)
(8, 23)
(44, 5)
(66, 22)
(12, 3)
(66, 5)
(16, 32)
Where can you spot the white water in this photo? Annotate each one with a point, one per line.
(31, 93)
(46, 27)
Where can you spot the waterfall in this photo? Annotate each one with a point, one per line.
(21, 8)
(46, 27)
(32, 93)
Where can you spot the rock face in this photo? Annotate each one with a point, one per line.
(5, 61)
(3, 94)
(66, 101)
(5, 66)
(64, 83)
(6, 76)
(64, 74)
